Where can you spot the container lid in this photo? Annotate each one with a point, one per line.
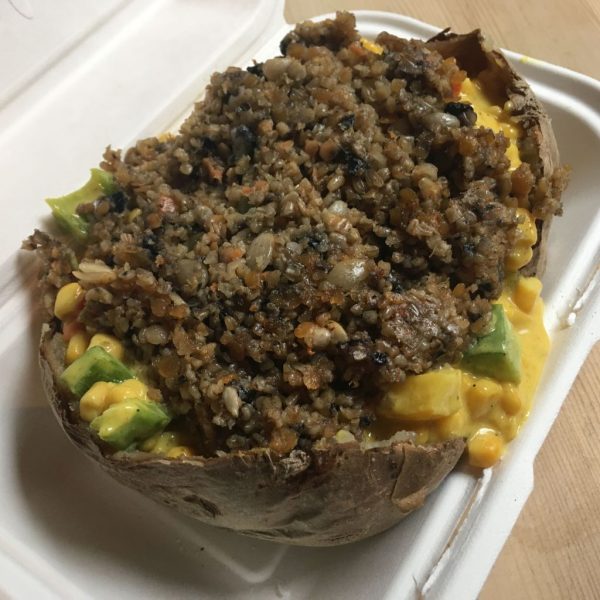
(78, 74)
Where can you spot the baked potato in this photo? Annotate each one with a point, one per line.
(327, 476)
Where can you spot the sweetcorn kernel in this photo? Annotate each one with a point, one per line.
(68, 300)
(77, 346)
(110, 343)
(518, 257)
(163, 443)
(510, 400)
(371, 46)
(481, 395)
(130, 389)
(526, 292)
(485, 448)
(150, 443)
(93, 402)
(526, 230)
(180, 451)
(167, 441)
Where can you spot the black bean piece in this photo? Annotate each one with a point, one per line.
(243, 391)
(485, 287)
(396, 281)
(379, 358)
(150, 243)
(224, 308)
(243, 141)
(118, 201)
(354, 164)
(286, 41)
(463, 111)
(255, 69)
(319, 241)
(457, 108)
(346, 122)
(365, 421)
(55, 324)
(469, 249)
(209, 145)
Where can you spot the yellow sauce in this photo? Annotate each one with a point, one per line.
(494, 117)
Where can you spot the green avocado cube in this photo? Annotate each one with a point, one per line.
(129, 422)
(64, 208)
(496, 354)
(96, 364)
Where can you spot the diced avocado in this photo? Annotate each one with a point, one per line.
(432, 395)
(96, 364)
(64, 208)
(131, 421)
(496, 354)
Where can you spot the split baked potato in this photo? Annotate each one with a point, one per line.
(337, 489)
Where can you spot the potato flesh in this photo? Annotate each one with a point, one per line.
(432, 395)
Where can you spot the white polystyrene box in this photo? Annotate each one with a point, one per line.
(78, 75)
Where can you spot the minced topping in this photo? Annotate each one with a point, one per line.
(324, 224)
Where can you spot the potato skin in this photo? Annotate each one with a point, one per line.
(333, 495)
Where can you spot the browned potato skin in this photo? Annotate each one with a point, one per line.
(334, 495)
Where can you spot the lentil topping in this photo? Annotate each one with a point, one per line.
(323, 224)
